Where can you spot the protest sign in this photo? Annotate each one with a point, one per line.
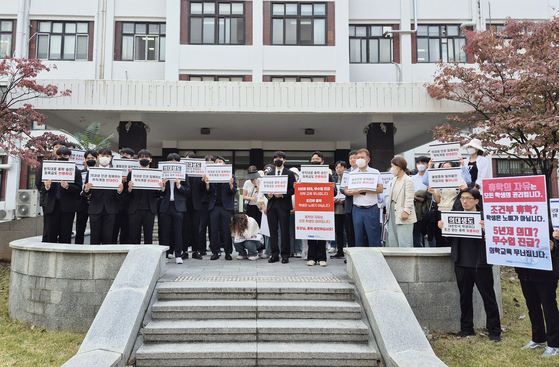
(461, 224)
(217, 173)
(363, 181)
(125, 165)
(172, 170)
(195, 167)
(146, 178)
(445, 178)
(554, 207)
(264, 228)
(273, 184)
(445, 152)
(314, 173)
(345, 178)
(57, 171)
(105, 178)
(78, 157)
(516, 222)
(314, 211)
(339, 196)
(385, 179)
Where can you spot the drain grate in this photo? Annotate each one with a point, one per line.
(327, 279)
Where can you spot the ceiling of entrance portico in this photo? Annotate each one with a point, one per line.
(412, 129)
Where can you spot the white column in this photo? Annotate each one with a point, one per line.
(406, 14)
(22, 35)
(257, 40)
(172, 49)
(106, 35)
(341, 30)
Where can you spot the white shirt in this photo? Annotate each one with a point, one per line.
(278, 172)
(251, 233)
(418, 182)
(250, 190)
(367, 199)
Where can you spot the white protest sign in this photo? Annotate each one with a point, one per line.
(146, 178)
(57, 171)
(172, 170)
(445, 178)
(314, 173)
(264, 228)
(273, 184)
(445, 152)
(195, 167)
(105, 178)
(461, 224)
(78, 157)
(554, 207)
(385, 179)
(345, 178)
(125, 165)
(339, 196)
(363, 181)
(219, 173)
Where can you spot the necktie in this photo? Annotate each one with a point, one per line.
(58, 190)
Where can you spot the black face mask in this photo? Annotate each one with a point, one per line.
(62, 159)
(144, 162)
(316, 163)
(278, 162)
(91, 162)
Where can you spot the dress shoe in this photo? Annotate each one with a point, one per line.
(214, 257)
(228, 257)
(184, 255)
(337, 256)
(273, 259)
(197, 256)
(285, 260)
(203, 253)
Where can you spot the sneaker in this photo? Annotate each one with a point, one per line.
(332, 250)
(311, 263)
(298, 255)
(264, 256)
(322, 263)
(550, 352)
(533, 345)
(495, 338)
(465, 333)
(170, 256)
(241, 257)
(178, 260)
(252, 258)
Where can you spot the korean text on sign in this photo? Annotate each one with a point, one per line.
(217, 173)
(461, 224)
(273, 184)
(57, 171)
(146, 178)
(314, 174)
(126, 165)
(445, 152)
(445, 178)
(363, 181)
(105, 178)
(314, 211)
(78, 157)
(172, 170)
(195, 167)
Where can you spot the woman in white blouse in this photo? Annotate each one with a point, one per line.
(247, 236)
(477, 164)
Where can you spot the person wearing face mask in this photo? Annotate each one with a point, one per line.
(420, 198)
(83, 201)
(121, 219)
(250, 194)
(205, 225)
(103, 205)
(191, 220)
(477, 164)
(59, 199)
(142, 205)
(400, 204)
(365, 211)
(348, 205)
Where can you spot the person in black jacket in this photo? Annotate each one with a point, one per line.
(205, 224)
(121, 218)
(191, 220)
(540, 291)
(59, 202)
(470, 266)
(103, 205)
(82, 205)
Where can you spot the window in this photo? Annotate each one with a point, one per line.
(304, 79)
(143, 41)
(299, 24)
(63, 40)
(367, 44)
(217, 23)
(6, 38)
(440, 43)
(215, 78)
(513, 167)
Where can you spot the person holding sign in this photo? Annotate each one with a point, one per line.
(471, 268)
(250, 193)
(400, 203)
(122, 225)
(59, 199)
(340, 220)
(365, 211)
(191, 220)
(477, 164)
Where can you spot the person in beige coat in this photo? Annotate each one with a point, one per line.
(401, 212)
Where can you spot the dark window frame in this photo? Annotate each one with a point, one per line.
(11, 34)
(522, 168)
(298, 17)
(298, 77)
(368, 37)
(216, 16)
(161, 34)
(63, 39)
(216, 77)
(443, 39)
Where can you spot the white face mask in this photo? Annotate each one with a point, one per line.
(471, 151)
(104, 161)
(421, 167)
(394, 171)
(361, 162)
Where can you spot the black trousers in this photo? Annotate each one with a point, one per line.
(483, 279)
(220, 219)
(340, 224)
(171, 226)
(538, 295)
(350, 232)
(141, 218)
(204, 223)
(58, 225)
(102, 226)
(277, 215)
(317, 250)
(253, 212)
(122, 226)
(191, 228)
(81, 224)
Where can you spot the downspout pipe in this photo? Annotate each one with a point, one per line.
(414, 22)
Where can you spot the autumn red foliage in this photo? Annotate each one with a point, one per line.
(18, 89)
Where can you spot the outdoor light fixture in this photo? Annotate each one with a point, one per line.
(205, 131)
(309, 131)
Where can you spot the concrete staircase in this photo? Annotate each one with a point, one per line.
(256, 324)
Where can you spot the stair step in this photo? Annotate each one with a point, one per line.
(252, 309)
(253, 330)
(253, 354)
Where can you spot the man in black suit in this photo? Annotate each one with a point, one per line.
(173, 207)
(82, 205)
(221, 204)
(142, 205)
(277, 210)
(205, 215)
(352, 158)
(191, 220)
(103, 205)
(121, 219)
(59, 202)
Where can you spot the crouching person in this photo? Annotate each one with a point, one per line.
(247, 236)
